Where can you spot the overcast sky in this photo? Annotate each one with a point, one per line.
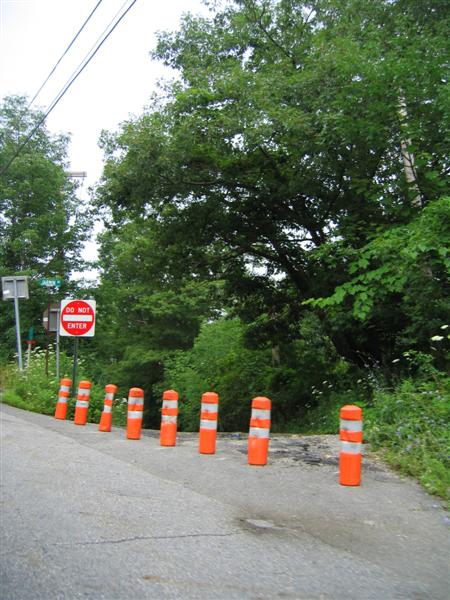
(117, 83)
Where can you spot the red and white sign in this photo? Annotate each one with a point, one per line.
(77, 318)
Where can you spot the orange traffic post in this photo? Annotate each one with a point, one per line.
(208, 423)
(63, 395)
(169, 413)
(135, 413)
(351, 436)
(82, 405)
(258, 437)
(106, 418)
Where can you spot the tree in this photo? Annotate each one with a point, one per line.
(144, 315)
(277, 155)
(42, 226)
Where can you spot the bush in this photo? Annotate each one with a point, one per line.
(218, 362)
(411, 426)
(31, 389)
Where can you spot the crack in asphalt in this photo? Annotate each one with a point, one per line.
(148, 537)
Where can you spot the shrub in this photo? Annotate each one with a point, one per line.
(411, 425)
(32, 389)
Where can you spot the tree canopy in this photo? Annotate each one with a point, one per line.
(42, 225)
(298, 137)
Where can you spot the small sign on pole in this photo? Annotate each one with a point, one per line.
(50, 318)
(54, 282)
(13, 288)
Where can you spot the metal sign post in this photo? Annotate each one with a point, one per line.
(51, 318)
(57, 350)
(30, 344)
(14, 288)
(17, 318)
(50, 321)
(76, 319)
(76, 341)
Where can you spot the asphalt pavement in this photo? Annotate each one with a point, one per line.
(93, 515)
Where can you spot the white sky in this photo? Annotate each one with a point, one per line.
(117, 83)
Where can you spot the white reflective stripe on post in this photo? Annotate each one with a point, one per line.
(64, 388)
(170, 404)
(82, 404)
(260, 413)
(258, 432)
(133, 401)
(168, 419)
(134, 414)
(107, 409)
(62, 400)
(347, 425)
(205, 424)
(209, 408)
(109, 396)
(351, 448)
(83, 393)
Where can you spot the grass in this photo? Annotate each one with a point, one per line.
(410, 426)
(32, 389)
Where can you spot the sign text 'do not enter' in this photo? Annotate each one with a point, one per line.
(77, 318)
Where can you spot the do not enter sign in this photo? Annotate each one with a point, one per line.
(77, 318)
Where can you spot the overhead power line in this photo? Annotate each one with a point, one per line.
(65, 52)
(68, 84)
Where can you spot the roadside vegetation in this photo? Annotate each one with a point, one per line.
(407, 424)
(35, 388)
(276, 222)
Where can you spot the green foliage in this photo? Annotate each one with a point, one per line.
(274, 164)
(411, 426)
(42, 223)
(390, 263)
(32, 389)
(220, 361)
(264, 235)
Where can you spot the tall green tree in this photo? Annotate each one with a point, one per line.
(145, 315)
(282, 150)
(42, 224)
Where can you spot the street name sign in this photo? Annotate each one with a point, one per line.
(49, 283)
(77, 318)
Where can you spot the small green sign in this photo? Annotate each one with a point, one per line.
(49, 283)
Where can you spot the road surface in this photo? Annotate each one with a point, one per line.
(92, 515)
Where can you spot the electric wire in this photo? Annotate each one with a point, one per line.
(65, 52)
(85, 60)
(68, 84)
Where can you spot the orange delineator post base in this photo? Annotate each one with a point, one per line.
(350, 466)
(350, 458)
(135, 413)
(63, 396)
(169, 414)
(82, 404)
(258, 437)
(258, 451)
(208, 423)
(106, 417)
